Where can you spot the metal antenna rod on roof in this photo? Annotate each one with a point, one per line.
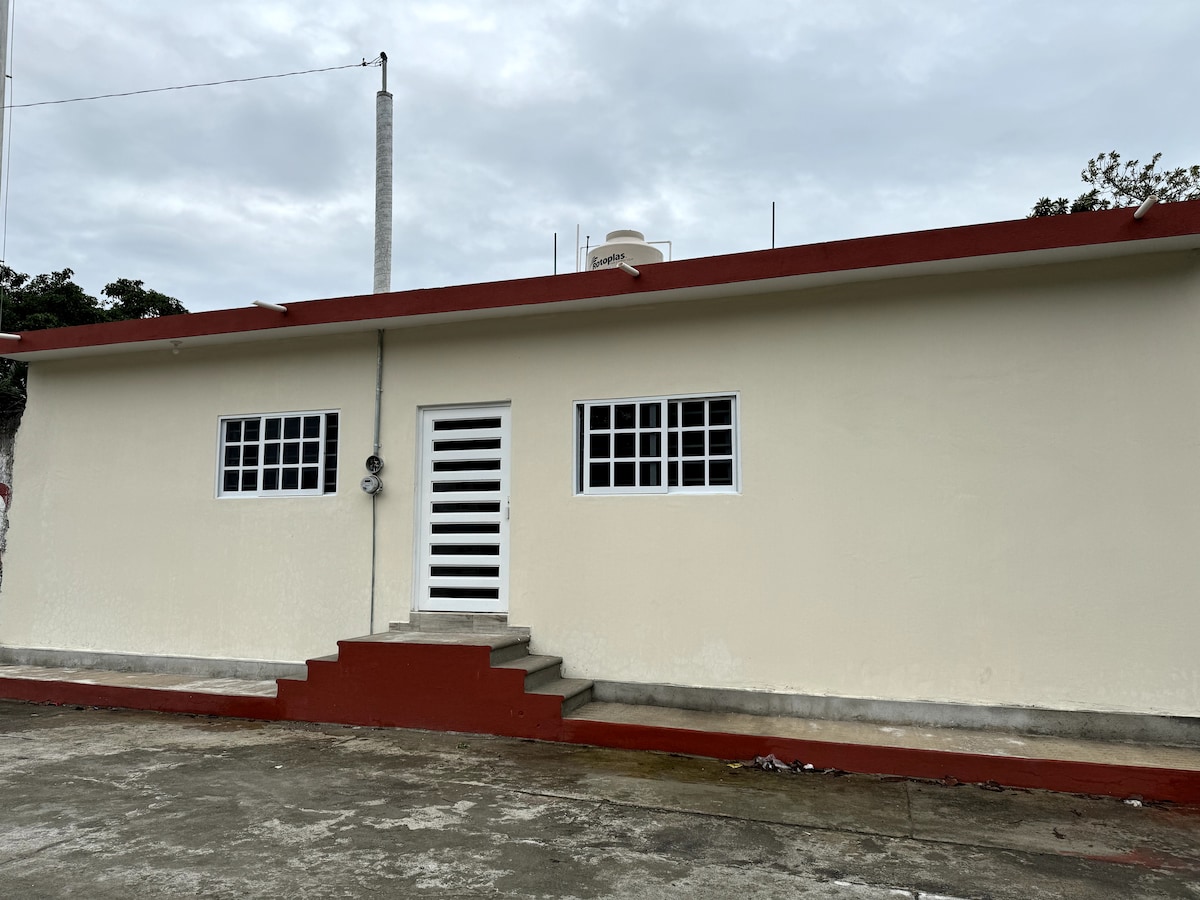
(383, 185)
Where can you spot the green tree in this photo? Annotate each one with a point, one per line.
(128, 299)
(1117, 184)
(55, 300)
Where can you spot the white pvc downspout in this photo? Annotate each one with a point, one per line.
(375, 445)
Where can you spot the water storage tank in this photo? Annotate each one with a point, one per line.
(623, 246)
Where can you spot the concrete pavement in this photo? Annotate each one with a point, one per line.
(107, 804)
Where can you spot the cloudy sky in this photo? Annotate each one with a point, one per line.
(515, 120)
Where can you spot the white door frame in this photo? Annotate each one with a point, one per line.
(462, 502)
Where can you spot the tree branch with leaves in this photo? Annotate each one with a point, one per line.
(1116, 184)
(55, 300)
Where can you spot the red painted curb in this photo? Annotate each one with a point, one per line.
(70, 693)
(538, 721)
(1065, 776)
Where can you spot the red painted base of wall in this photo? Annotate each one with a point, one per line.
(454, 688)
(1066, 776)
(71, 693)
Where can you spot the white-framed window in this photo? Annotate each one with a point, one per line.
(288, 454)
(657, 445)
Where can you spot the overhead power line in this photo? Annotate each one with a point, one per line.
(184, 87)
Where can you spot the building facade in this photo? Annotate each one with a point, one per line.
(950, 467)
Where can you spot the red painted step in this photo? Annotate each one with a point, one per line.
(449, 682)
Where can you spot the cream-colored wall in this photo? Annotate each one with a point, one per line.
(977, 489)
(980, 489)
(118, 542)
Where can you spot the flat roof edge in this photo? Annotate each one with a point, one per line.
(1112, 233)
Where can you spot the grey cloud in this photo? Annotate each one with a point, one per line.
(513, 122)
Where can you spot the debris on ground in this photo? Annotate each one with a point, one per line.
(772, 763)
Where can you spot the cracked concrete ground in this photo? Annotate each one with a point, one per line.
(112, 804)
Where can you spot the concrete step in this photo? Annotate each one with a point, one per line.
(504, 647)
(516, 648)
(576, 692)
(509, 649)
(538, 669)
(469, 638)
(460, 623)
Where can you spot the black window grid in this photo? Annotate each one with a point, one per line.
(279, 454)
(654, 445)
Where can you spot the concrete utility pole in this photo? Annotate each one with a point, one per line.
(383, 185)
(3, 111)
(3, 74)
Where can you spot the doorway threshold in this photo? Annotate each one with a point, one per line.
(462, 623)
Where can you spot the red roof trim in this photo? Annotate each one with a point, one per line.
(972, 241)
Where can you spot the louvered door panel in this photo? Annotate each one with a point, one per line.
(464, 507)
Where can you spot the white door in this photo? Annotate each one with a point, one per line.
(463, 551)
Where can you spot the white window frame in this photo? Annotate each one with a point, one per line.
(323, 488)
(645, 453)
